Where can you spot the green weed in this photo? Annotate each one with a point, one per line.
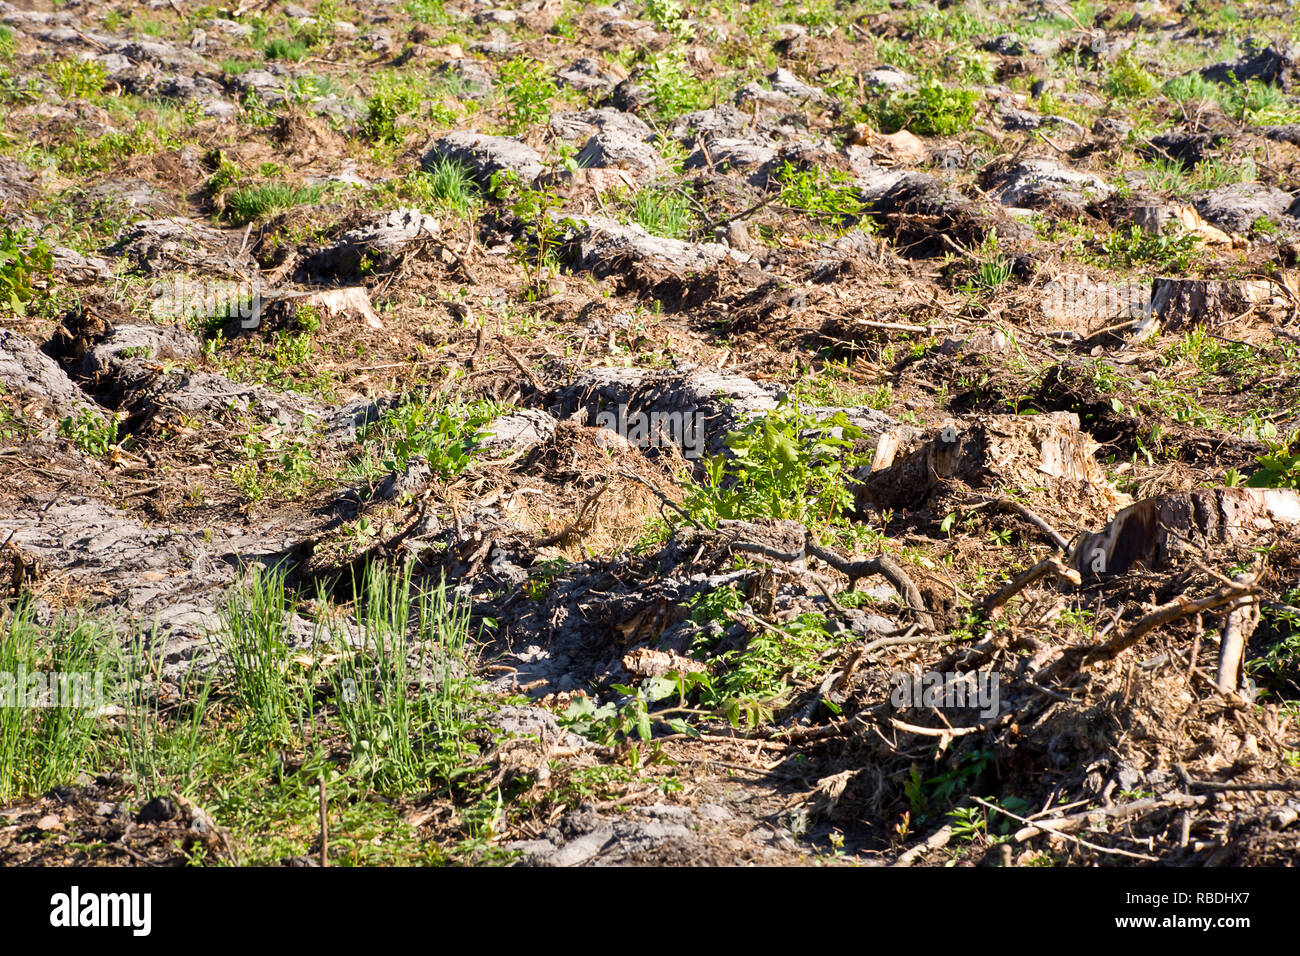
(283, 49)
(1127, 79)
(392, 99)
(93, 434)
(992, 270)
(162, 744)
(667, 17)
(1133, 247)
(403, 687)
(450, 184)
(77, 78)
(23, 258)
(443, 433)
(931, 110)
(675, 89)
(1279, 468)
(276, 463)
(1279, 666)
(825, 194)
(528, 90)
(783, 465)
(427, 11)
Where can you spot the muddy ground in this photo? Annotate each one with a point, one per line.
(307, 289)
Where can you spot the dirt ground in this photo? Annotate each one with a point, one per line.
(315, 289)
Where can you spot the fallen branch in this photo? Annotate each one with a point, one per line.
(350, 575)
(882, 564)
(460, 262)
(1047, 829)
(518, 363)
(1213, 786)
(905, 639)
(1052, 566)
(936, 731)
(1120, 811)
(939, 838)
(1176, 609)
(741, 614)
(892, 326)
(708, 228)
(1239, 624)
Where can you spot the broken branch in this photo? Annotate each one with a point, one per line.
(1052, 566)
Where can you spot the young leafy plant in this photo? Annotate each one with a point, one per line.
(392, 99)
(528, 91)
(674, 89)
(542, 231)
(1279, 468)
(443, 433)
(1134, 247)
(785, 465)
(823, 193)
(89, 432)
(77, 78)
(22, 258)
(931, 110)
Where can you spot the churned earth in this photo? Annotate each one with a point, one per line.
(736, 433)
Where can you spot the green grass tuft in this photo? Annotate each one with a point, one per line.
(253, 202)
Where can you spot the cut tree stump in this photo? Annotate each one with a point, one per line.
(1156, 532)
(1181, 304)
(1043, 459)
